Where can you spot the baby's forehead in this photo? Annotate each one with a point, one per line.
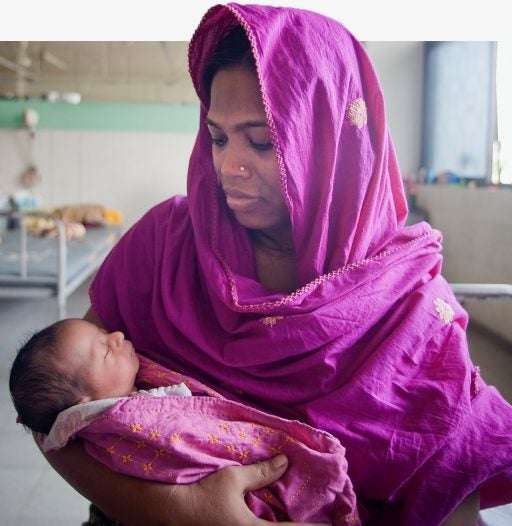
(75, 324)
(75, 330)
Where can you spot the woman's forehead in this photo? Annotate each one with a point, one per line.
(236, 90)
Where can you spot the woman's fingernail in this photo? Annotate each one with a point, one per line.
(280, 461)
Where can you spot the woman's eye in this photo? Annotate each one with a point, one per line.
(262, 147)
(218, 141)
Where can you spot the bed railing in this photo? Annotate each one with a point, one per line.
(466, 291)
(28, 284)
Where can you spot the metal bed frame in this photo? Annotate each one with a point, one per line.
(466, 291)
(26, 283)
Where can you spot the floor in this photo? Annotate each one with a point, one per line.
(38, 496)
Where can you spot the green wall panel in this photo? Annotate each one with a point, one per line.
(118, 116)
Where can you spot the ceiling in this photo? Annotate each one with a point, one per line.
(141, 71)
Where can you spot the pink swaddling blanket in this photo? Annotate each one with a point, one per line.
(180, 439)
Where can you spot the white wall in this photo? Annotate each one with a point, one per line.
(129, 171)
(476, 224)
(399, 66)
(132, 171)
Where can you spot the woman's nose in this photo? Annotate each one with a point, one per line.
(232, 164)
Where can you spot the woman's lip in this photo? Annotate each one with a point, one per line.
(241, 202)
(235, 192)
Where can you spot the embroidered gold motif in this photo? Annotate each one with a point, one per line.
(244, 455)
(159, 452)
(136, 427)
(445, 311)
(224, 427)
(174, 438)
(257, 442)
(357, 114)
(213, 439)
(127, 458)
(148, 466)
(231, 448)
(111, 449)
(154, 434)
(242, 435)
(267, 497)
(475, 377)
(270, 321)
(276, 450)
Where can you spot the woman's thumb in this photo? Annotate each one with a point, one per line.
(262, 474)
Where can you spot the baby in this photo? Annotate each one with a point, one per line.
(68, 363)
(74, 379)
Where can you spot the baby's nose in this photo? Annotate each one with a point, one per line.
(117, 338)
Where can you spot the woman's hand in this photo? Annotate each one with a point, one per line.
(218, 499)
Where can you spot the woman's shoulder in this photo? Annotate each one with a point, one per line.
(171, 213)
(174, 207)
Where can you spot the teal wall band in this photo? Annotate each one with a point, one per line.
(113, 116)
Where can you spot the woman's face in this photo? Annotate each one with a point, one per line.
(243, 153)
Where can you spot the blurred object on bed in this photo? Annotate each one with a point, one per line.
(41, 226)
(76, 218)
(45, 255)
(89, 215)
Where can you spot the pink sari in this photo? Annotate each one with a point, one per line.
(372, 346)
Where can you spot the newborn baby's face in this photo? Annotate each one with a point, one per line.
(107, 361)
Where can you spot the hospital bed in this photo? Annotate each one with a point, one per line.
(38, 267)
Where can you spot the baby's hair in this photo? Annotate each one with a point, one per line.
(232, 50)
(40, 390)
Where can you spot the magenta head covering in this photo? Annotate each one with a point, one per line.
(325, 108)
(372, 346)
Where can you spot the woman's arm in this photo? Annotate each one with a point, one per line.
(216, 500)
(466, 514)
(129, 500)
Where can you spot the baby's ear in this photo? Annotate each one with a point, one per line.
(85, 398)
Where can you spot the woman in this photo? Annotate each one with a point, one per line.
(287, 280)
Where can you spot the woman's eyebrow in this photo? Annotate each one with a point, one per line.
(239, 126)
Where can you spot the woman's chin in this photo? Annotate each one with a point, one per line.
(251, 222)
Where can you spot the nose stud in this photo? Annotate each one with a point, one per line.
(242, 168)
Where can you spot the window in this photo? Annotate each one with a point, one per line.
(459, 109)
(502, 159)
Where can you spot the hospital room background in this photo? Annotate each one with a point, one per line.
(112, 124)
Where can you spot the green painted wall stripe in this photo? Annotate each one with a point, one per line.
(150, 117)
